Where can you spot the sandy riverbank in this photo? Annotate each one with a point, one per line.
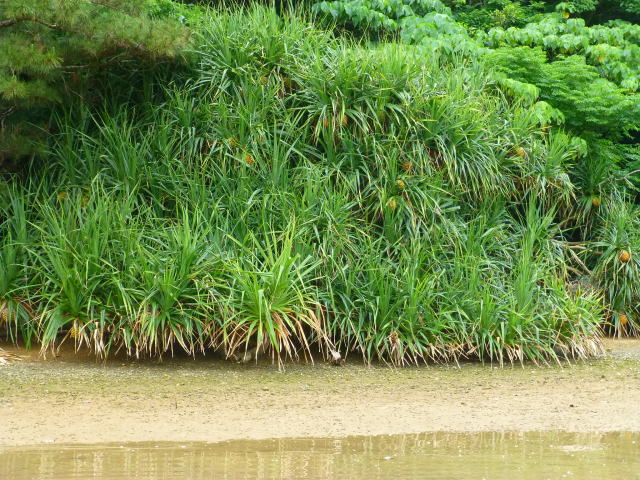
(75, 399)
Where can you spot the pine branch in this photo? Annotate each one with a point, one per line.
(8, 23)
(96, 64)
(14, 21)
(55, 27)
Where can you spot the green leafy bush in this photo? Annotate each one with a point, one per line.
(300, 191)
(574, 66)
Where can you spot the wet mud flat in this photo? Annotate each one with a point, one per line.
(74, 399)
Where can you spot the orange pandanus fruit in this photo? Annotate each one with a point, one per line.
(624, 256)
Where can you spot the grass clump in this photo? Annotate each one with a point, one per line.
(294, 192)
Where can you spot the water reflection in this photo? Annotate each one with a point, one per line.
(441, 456)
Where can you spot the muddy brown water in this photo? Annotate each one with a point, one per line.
(442, 456)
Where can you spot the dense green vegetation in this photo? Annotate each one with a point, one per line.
(425, 187)
(46, 45)
(576, 74)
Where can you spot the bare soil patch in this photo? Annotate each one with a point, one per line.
(74, 398)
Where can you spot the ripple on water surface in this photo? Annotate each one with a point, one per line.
(487, 455)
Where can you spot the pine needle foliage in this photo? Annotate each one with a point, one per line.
(46, 47)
